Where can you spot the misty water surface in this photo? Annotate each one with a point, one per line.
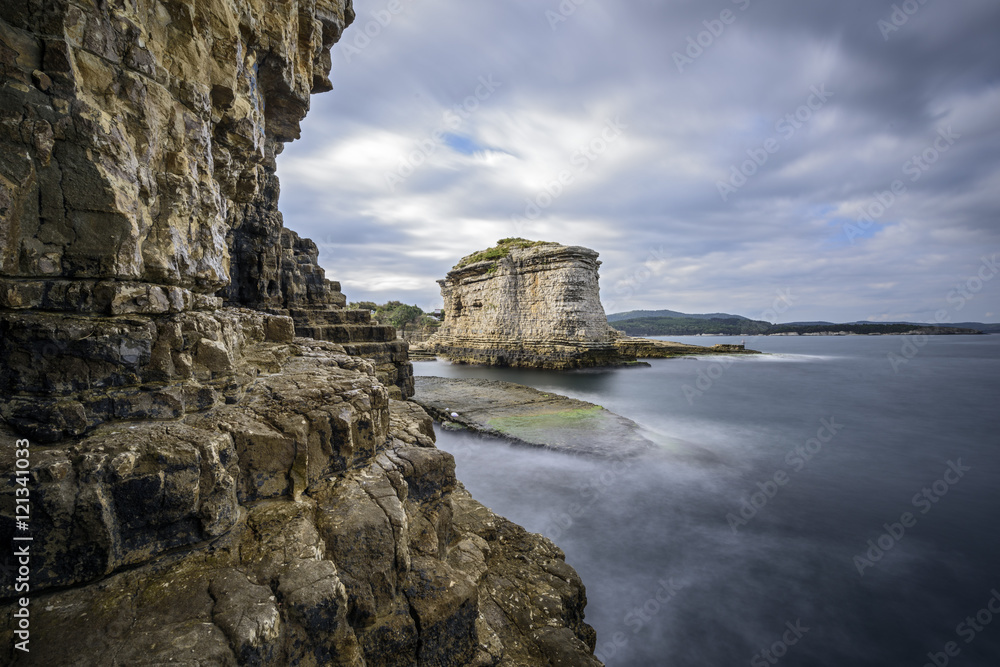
(673, 579)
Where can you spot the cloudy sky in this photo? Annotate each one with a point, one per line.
(844, 155)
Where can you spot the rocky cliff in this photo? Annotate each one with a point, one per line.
(526, 304)
(214, 468)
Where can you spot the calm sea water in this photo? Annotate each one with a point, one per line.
(836, 502)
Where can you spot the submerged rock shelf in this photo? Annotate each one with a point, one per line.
(529, 416)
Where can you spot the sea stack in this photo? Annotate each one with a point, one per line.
(529, 304)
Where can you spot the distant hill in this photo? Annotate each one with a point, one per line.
(674, 323)
(689, 326)
(993, 328)
(978, 326)
(686, 326)
(645, 314)
(866, 329)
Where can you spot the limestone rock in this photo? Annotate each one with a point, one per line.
(137, 136)
(65, 375)
(248, 615)
(526, 304)
(137, 158)
(123, 496)
(360, 546)
(445, 605)
(526, 589)
(218, 475)
(317, 603)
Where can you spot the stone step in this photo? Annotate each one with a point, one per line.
(395, 351)
(323, 316)
(347, 333)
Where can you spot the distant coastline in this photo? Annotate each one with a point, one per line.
(672, 323)
(935, 331)
(916, 332)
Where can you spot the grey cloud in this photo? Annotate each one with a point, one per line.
(686, 130)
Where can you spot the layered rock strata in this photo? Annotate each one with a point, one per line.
(137, 160)
(526, 304)
(312, 522)
(205, 486)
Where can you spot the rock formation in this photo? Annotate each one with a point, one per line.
(645, 348)
(527, 416)
(217, 472)
(526, 304)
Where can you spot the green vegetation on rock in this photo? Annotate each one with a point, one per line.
(499, 251)
(530, 417)
(521, 425)
(688, 326)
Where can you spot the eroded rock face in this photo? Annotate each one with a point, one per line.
(63, 375)
(536, 305)
(137, 136)
(211, 484)
(317, 307)
(137, 160)
(313, 522)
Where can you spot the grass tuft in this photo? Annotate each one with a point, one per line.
(499, 251)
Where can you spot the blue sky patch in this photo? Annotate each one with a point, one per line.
(461, 144)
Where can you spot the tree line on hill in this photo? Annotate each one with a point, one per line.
(690, 326)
